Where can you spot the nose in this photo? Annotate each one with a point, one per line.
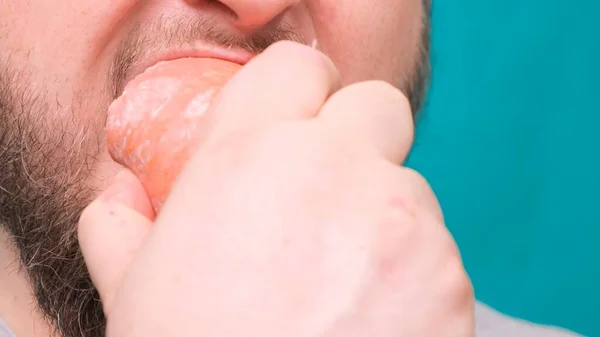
(251, 14)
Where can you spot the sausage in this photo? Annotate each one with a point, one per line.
(156, 124)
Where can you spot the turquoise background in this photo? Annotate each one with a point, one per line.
(509, 141)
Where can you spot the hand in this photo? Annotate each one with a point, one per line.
(294, 218)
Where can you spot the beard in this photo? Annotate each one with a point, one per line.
(47, 163)
(45, 168)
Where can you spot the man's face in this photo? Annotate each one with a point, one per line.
(63, 61)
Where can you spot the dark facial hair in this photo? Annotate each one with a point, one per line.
(46, 164)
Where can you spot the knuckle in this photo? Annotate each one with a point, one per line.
(418, 186)
(455, 277)
(416, 179)
(412, 202)
(403, 207)
(407, 189)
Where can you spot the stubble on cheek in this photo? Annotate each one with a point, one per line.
(48, 153)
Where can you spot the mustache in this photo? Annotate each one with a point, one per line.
(173, 32)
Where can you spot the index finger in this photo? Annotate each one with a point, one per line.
(287, 81)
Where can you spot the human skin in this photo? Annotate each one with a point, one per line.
(294, 217)
(62, 63)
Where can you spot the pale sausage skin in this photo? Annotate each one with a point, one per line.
(154, 126)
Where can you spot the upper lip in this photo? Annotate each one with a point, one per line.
(199, 50)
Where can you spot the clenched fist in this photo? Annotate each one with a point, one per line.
(293, 218)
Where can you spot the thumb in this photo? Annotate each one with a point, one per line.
(111, 231)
